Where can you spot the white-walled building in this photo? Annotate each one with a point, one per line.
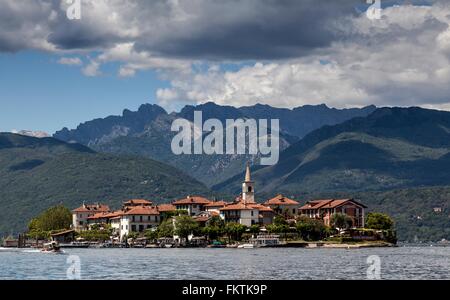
(240, 213)
(192, 204)
(81, 214)
(138, 219)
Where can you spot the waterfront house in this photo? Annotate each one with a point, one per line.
(138, 219)
(192, 204)
(98, 219)
(324, 209)
(240, 213)
(283, 205)
(81, 214)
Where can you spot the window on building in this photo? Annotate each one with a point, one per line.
(133, 227)
(293, 211)
(141, 228)
(249, 189)
(134, 219)
(140, 218)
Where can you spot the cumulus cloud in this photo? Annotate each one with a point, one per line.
(70, 61)
(92, 69)
(402, 59)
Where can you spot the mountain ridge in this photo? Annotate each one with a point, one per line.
(147, 132)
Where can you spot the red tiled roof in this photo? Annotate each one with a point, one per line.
(217, 204)
(97, 216)
(192, 200)
(142, 210)
(329, 203)
(114, 214)
(138, 202)
(166, 207)
(261, 207)
(237, 206)
(281, 200)
(92, 208)
(201, 218)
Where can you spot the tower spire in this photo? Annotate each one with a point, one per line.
(247, 174)
(248, 193)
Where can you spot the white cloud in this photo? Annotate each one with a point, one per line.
(401, 60)
(70, 61)
(92, 69)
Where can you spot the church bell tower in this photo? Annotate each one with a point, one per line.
(248, 191)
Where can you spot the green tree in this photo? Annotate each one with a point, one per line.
(279, 220)
(311, 229)
(214, 228)
(185, 225)
(35, 232)
(379, 221)
(165, 229)
(151, 234)
(212, 232)
(54, 218)
(170, 214)
(133, 235)
(254, 229)
(95, 235)
(341, 221)
(235, 231)
(216, 221)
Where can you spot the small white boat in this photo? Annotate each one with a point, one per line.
(246, 246)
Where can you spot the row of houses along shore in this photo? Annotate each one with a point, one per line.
(138, 215)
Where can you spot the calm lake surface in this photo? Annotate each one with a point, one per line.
(285, 263)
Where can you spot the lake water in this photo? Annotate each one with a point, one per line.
(282, 263)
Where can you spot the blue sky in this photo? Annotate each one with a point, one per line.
(37, 93)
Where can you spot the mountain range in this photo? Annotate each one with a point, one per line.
(391, 148)
(147, 132)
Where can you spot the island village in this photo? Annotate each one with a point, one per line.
(196, 221)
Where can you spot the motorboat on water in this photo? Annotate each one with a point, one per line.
(246, 246)
(52, 247)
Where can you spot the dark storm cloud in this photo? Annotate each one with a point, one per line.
(192, 29)
(250, 29)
